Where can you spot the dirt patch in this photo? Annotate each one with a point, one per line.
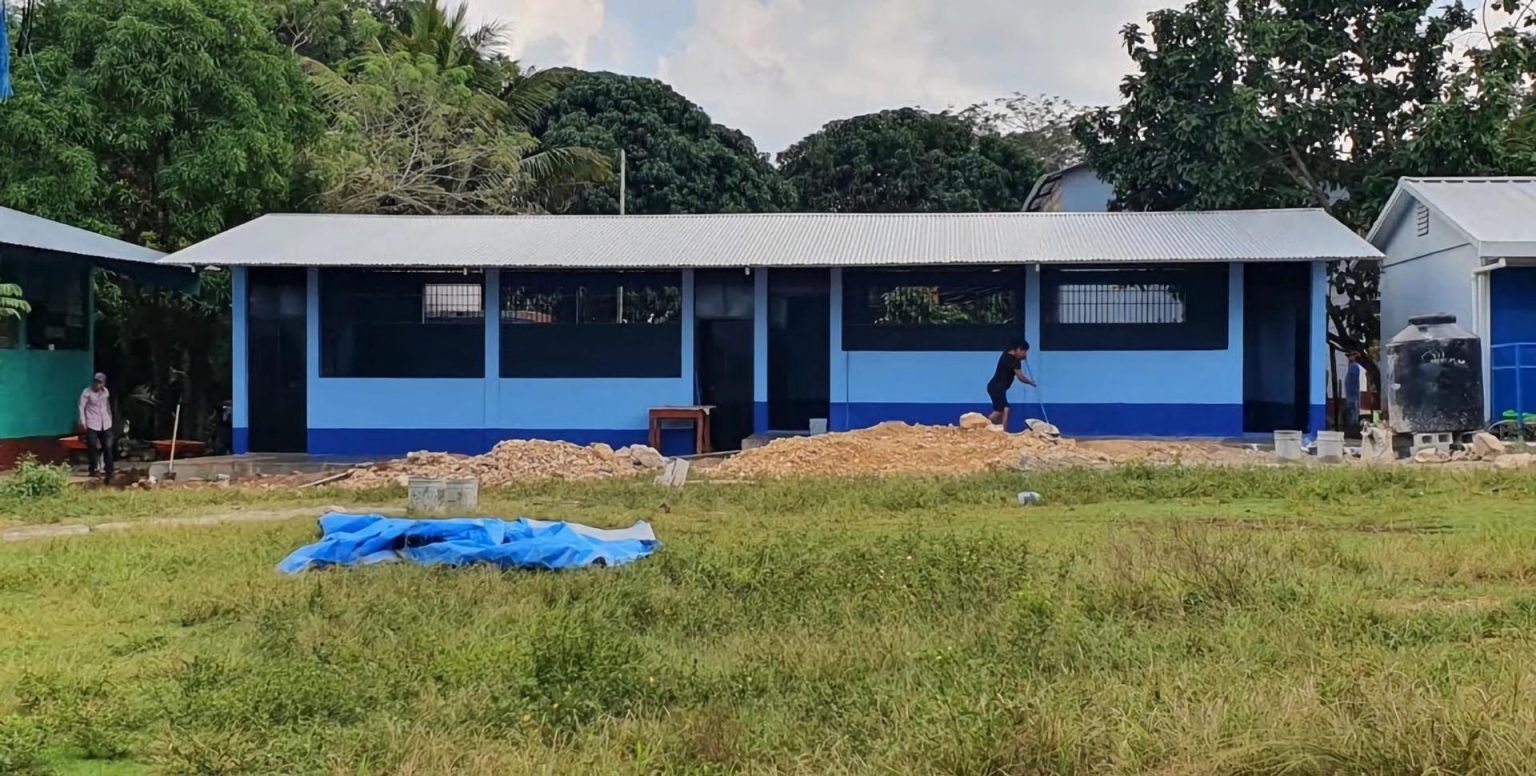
(899, 448)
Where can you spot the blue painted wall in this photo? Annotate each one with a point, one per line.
(1512, 310)
(1104, 393)
(1130, 393)
(380, 416)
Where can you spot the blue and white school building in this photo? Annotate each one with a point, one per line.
(377, 335)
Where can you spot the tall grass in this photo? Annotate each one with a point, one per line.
(1157, 620)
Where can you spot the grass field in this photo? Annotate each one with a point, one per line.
(1146, 621)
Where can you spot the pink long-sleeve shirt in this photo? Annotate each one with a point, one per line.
(95, 409)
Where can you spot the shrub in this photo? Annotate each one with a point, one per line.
(21, 745)
(35, 480)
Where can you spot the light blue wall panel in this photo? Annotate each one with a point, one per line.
(1318, 362)
(240, 396)
(607, 404)
(336, 402)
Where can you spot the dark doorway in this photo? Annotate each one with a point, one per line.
(1277, 333)
(723, 353)
(275, 360)
(799, 348)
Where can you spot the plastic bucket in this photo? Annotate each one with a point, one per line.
(460, 495)
(425, 494)
(1288, 445)
(1330, 446)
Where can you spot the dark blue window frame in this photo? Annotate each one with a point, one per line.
(965, 295)
(1161, 307)
(401, 324)
(581, 324)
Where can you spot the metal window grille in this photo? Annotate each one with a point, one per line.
(451, 302)
(1116, 303)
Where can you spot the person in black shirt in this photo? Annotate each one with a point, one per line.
(1010, 366)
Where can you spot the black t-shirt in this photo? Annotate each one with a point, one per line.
(1007, 364)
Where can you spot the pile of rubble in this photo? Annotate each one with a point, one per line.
(515, 460)
(1483, 447)
(897, 448)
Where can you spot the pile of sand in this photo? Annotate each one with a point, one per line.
(901, 449)
(515, 460)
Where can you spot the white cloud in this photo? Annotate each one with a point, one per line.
(548, 33)
(779, 69)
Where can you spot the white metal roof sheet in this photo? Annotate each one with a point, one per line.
(18, 228)
(771, 240)
(1497, 213)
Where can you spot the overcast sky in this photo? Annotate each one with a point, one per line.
(780, 69)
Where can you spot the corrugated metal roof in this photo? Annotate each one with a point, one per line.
(18, 228)
(1499, 214)
(774, 240)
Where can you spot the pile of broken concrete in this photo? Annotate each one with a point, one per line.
(1484, 447)
(512, 461)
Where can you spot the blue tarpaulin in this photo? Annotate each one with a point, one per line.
(350, 540)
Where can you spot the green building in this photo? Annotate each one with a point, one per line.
(47, 357)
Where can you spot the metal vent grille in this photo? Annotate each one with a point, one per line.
(1421, 220)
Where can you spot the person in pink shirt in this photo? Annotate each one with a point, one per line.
(96, 423)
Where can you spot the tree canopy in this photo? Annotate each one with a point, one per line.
(1292, 103)
(410, 137)
(158, 121)
(679, 161)
(905, 161)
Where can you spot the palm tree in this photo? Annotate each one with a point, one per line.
(428, 27)
(11, 303)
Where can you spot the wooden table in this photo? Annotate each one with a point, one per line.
(697, 415)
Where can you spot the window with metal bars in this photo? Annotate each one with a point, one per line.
(392, 323)
(1176, 307)
(964, 309)
(591, 324)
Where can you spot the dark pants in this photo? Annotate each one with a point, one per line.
(100, 441)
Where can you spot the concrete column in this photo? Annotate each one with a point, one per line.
(311, 343)
(759, 350)
(838, 390)
(1317, 414)
(239, 357)
(689, 372)
(492, 377)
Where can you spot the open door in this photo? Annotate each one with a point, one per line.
(723, 359)
(799, 348)
(275, 360)
(1277, 333)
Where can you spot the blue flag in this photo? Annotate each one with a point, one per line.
(5, 55)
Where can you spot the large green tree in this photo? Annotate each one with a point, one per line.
(679, 161)
(1041, 122)
(408, 136)
(909, 160)
(158, 121)
(1297, 103)
(328, 31)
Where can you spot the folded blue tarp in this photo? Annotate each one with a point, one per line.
(348, 540)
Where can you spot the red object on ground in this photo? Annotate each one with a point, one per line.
(185, 448)
(47, 450)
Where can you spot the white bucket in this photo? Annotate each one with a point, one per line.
(1330, 446)
(1288, 445)
(425, 494)
(461, 495)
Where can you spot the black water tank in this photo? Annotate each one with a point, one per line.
(1434, 371)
